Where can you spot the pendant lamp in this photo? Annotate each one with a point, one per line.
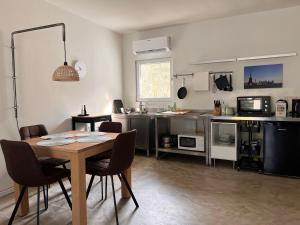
(65, 72)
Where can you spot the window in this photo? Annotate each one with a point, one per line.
(154, 80)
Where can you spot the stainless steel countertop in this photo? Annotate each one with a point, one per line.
(266, 119)
(133, 115)
(204, 115)
(191, 115)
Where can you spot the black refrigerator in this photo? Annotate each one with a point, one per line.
(282, 148)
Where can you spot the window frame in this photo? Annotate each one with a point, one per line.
(137, 72)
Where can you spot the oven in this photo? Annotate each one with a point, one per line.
(254, 106)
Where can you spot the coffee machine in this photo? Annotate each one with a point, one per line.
(296, 107)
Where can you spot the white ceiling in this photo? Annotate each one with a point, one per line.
(127, 16)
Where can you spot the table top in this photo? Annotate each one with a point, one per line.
(91, 116)
(73, 147)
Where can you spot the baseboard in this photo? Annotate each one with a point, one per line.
(6, 191)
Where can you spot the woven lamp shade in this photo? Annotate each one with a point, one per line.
(65, 73)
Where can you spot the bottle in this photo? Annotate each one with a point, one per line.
(223, 109)
(84, 110)
(174, 107)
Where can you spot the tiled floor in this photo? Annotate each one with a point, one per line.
(182, 191)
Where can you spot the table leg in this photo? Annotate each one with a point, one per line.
(24, 205)
(73, 124)
(92, 126)
(79, 209)
(125, 192)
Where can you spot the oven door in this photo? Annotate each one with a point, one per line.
(250, 106)
(187, 143)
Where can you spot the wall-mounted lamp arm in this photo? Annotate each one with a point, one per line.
(14, 62)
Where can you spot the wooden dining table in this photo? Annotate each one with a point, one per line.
(77, 153)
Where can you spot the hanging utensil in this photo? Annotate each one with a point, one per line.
(182, 92)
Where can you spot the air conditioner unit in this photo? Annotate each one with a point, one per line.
(158, 44)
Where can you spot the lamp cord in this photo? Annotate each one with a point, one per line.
(65, 49)
(17, 121)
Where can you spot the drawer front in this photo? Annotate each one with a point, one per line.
(223, 152)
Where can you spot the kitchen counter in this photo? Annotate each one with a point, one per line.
(192, 115)
(256, 118)
(152, 126)
(203, 114)
(133, 115)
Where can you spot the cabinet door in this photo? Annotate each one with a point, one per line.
(296, 155)
(142, 128)
(279, 145)
(221, 149)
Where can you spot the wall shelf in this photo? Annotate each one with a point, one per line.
(214, 61)
(267, 56)
(283, 55)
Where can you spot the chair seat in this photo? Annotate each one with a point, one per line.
(99, 168)
(52, 175)
(100, 156)
(52, 162)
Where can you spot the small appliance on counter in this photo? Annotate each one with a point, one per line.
(254, 106)
(281, 108)
(117, 106)
(229, 111)
(191, 142)
(295, 107)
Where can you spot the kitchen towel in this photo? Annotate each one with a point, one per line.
(201, 81)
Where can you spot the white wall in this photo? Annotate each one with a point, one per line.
(38, 54)
(256, 34)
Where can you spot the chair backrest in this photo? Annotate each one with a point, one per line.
(111, 127)
(123, 152)
(21, 162)
(33, 131)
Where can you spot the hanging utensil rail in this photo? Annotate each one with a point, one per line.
(221, 72)
(183, 75)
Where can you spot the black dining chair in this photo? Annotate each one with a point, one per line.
(108, 127)
(122, 156)
(25, 169)
(38, 131)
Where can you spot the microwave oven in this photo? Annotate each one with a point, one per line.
(191, 142)
(254, 106)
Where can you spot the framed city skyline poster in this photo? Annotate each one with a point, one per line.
(263, 76)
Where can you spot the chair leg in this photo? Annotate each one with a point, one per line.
(17, 206)
(45, 192)
(129, 189)
(105, 187)
(101, 179)
(114, 195)
(69, 178)
(90, 186)
(65, 193)
(38, 207)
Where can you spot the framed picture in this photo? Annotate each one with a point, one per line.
(263, 76)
